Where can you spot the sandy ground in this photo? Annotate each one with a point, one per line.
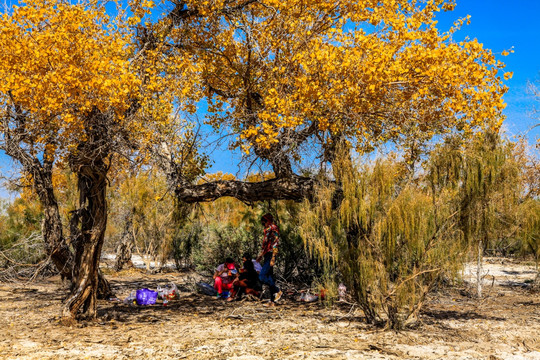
(504, 325)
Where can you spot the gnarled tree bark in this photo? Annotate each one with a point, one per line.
(41, 171)
(90, 165)
(294, 188)
(92, 187)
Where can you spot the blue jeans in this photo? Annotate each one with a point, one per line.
(267, 275)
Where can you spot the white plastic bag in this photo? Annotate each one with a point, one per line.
(168, 292)
(307, 297)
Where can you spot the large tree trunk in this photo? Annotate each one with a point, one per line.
(92, 180)
(51, 226)
(41, 171)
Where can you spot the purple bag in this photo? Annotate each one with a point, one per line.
(146, 297)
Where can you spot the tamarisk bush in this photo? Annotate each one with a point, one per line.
(387, 238)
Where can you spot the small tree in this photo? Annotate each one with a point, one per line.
(144, 210)
(488, 192)
(20, 240)
(529, 233)
(528, 212)
(388, 239)
(486, 176)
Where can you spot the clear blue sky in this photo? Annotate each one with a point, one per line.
(499, 25)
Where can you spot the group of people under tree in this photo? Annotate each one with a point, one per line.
(250, 277)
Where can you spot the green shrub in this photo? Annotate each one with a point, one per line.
(387, 239)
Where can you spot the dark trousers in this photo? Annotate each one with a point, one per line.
(267, 275)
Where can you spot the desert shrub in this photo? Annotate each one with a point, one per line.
(294, 265)
(20, 235)
(229, 228)
(219, 242)
(484, 175)
(184, 242)
(388, 239)
(529, 232)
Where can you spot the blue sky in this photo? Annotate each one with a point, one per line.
(499, 25)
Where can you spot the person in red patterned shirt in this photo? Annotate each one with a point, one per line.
(268, 255)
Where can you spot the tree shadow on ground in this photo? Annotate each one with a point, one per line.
(190, 302)
(21, 295)
(512, 285)
(200, 305)
(519, 272)
(458, 315)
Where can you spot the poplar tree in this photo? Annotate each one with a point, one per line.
(74, 89)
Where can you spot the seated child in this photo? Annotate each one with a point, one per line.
(247, 281)
(224, 276)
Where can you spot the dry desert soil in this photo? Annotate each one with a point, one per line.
(453, 324)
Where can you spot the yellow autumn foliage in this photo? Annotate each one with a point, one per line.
(63, 61)
(275, 73)
(366, 70)
(59, 62)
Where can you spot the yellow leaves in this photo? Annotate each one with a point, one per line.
(305, 66)
(449, 6)
(139, 9)
(508, 75)
(245, 148)
(217, 176)
(60, 72)
(250, 132)
(507, 52)
(134, 20)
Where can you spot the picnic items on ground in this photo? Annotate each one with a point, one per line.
(168, 292)
(206, 289)
(146, 296)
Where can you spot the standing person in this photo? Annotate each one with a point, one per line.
(224, 276)
(268, 255)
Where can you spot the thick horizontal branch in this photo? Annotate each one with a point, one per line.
(294, 188)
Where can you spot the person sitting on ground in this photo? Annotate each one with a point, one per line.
(247, 281)
(224, 276)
